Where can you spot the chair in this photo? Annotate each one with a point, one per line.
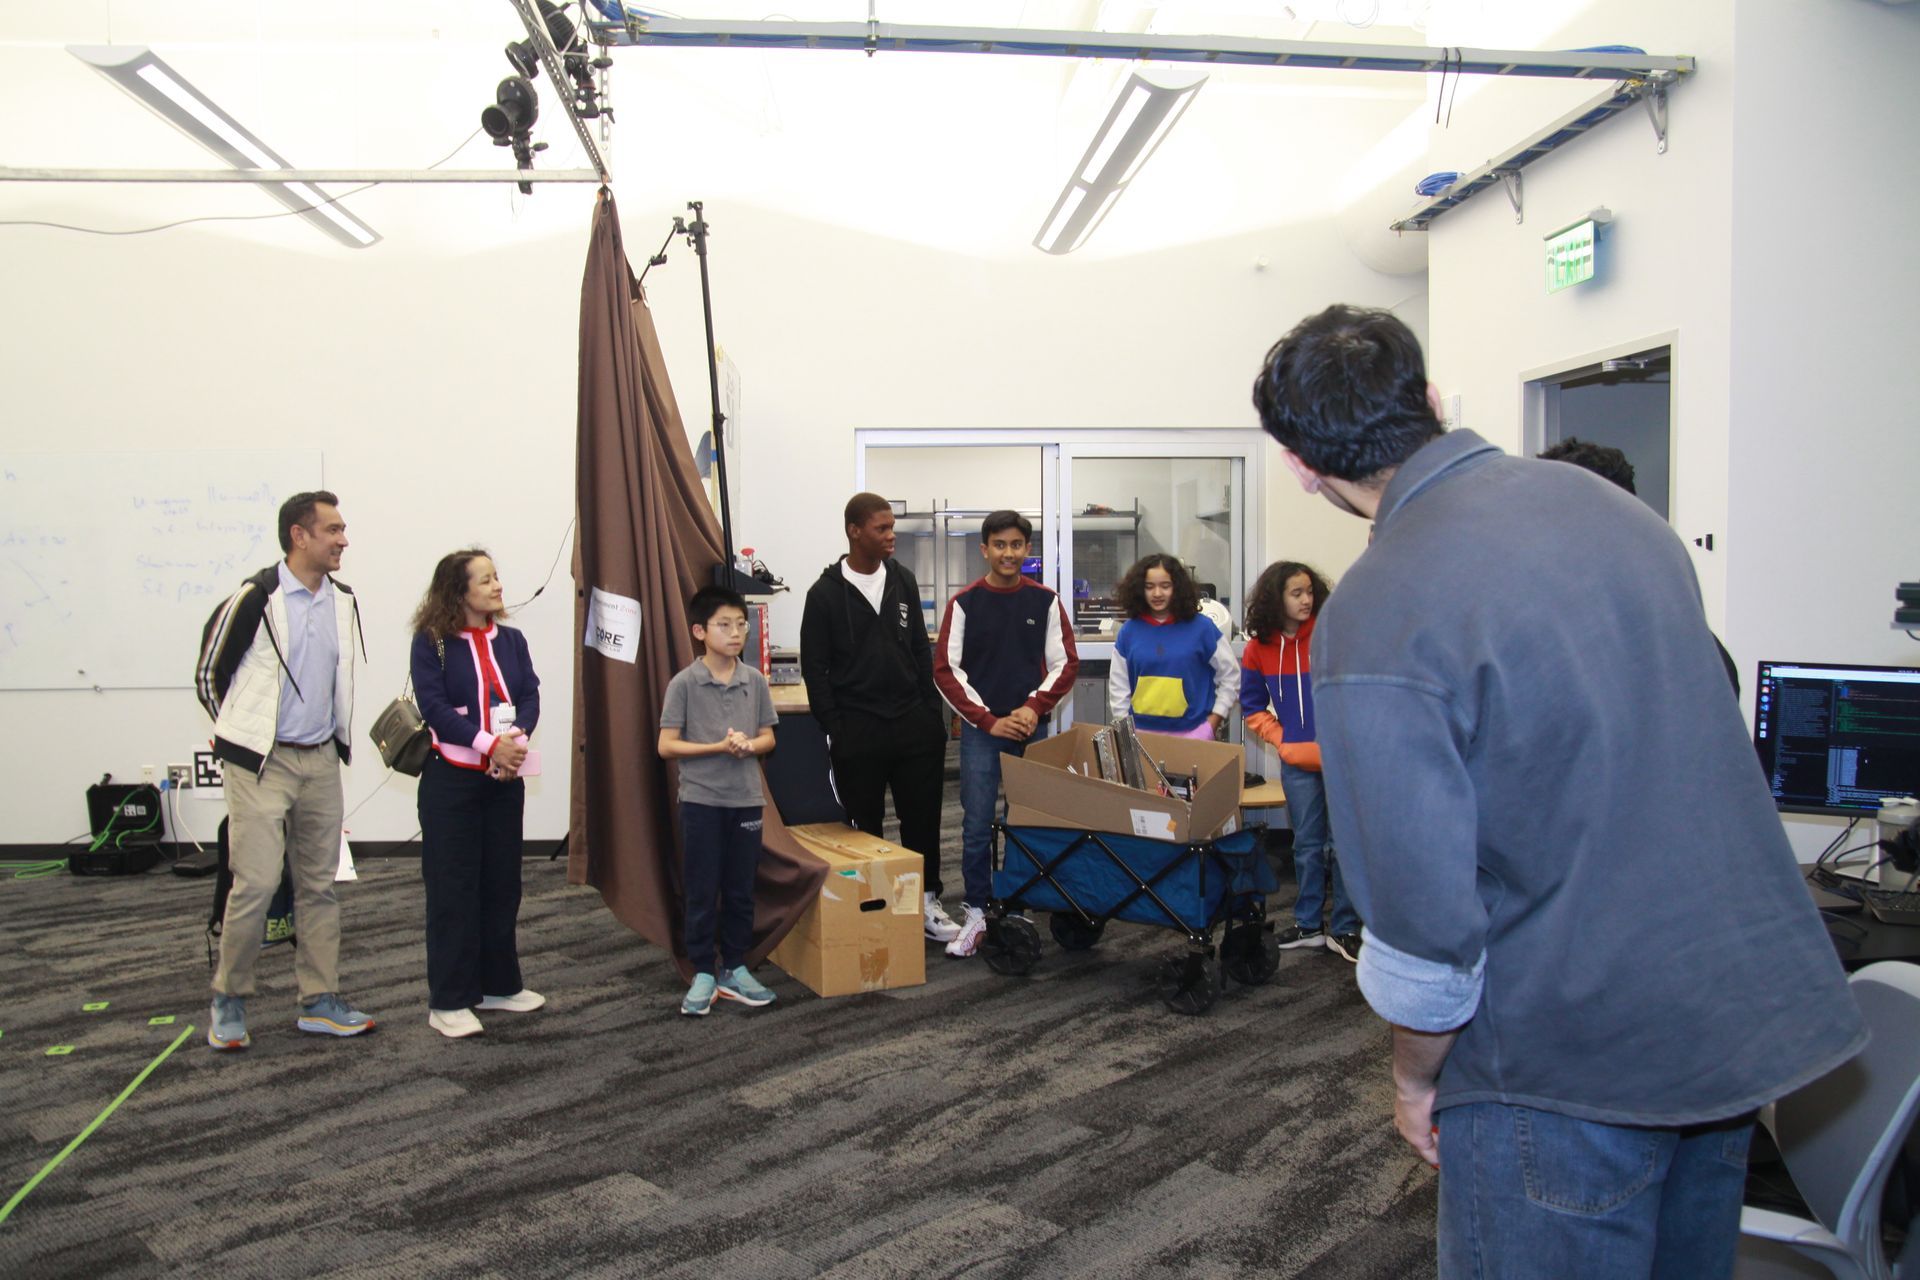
(1839, 1137)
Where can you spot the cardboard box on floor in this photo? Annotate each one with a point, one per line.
(1057, 783)
(864, 932)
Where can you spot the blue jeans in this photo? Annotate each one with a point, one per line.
(1307, 813)
(980, 754)
(1534, 1193)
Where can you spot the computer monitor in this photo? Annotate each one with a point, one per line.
(1836, 739)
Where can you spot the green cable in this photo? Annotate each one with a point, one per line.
(33, 870)
(97, 1121)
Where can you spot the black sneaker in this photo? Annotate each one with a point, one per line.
(1346, 946)
(1294, 936)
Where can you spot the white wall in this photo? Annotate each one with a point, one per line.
(835, 331)
(1792, 385)
(437, 371)
(1822, 493)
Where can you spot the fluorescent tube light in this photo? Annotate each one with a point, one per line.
(1138, 122)
(162, 90)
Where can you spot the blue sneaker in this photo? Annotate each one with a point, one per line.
(227, 1028)
(741, 985)
(329, 1015)
(699, 999)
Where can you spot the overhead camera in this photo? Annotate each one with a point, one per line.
(509, 121)
(566, 37)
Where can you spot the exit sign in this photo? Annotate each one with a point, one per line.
(1573, 251)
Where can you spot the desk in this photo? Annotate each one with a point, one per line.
(1860, 939)
(1268, 795)
(790, 699)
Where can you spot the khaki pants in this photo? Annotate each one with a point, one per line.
(290, 814)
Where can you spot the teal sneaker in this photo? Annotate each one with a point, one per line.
(329, 1015)
(699, 998)
(227, 1028)
(742, 986)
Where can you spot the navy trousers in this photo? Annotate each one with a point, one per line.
(470, 847)
(722, 855)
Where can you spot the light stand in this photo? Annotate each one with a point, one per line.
(724, 573)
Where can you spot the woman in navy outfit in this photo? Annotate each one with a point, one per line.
(477, 690)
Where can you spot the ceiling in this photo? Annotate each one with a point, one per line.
(966, 152)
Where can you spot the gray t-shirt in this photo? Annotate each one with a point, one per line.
(703, 709)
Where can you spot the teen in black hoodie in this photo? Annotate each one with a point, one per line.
(869, 671)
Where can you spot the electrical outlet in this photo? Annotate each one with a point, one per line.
(180, 775)
(146, 773)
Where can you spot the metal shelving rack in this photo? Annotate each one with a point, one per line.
(942, 524)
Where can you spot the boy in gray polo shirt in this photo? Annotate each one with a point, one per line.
(718, 716)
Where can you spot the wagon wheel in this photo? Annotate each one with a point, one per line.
(1073, 931)
(1012, 945)
(1248, 953)
(1187, 985)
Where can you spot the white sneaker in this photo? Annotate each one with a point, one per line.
(970, 934)
(454, 1023)
(940, 925)
(521, 1001)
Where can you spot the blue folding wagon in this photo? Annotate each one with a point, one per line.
(1087, 878)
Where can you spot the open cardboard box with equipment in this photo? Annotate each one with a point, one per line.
(1057, 783)
(864, 932)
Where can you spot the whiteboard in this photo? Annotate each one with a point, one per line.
(111, 562)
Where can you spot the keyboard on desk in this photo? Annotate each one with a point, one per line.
(1892, 907)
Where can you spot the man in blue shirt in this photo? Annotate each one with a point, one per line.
(276, 674)
(1583, 917)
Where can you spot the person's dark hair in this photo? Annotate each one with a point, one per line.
(1346, 393)
(708, 601)
(1130, 593)
(1603, 460)
(298, 510)
(862, 507)
(1266, 604)
(1005, 520)
(443, 610)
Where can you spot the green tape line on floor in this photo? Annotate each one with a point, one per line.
(7, 1209)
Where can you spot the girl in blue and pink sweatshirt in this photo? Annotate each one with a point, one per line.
(1276, 696)
(1172, 670)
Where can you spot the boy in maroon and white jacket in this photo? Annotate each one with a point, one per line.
(1004, 659)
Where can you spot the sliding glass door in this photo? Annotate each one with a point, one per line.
(1098, 502)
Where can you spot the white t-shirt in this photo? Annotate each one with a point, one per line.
(872, 585)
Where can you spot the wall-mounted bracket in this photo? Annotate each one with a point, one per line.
(1656, 100)
(1510, 179)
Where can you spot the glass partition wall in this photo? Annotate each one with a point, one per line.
(1098, 502)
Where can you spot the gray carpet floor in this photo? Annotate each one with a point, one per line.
(1060, 1124)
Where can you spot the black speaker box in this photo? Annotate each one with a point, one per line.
(127, 830)
(130, 861)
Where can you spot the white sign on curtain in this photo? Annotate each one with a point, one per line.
(613, 625)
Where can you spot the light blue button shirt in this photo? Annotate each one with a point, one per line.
(311, 647)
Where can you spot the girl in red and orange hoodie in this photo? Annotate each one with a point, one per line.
(1276, 696)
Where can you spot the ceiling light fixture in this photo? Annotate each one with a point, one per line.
(162, 90)
(1134, 128)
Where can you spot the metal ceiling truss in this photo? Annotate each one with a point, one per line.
(1641, 77)
(875, 37)
(1504, 169)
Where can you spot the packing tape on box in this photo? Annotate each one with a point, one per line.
(907, 899)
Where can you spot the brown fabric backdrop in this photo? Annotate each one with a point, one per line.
(648, 532)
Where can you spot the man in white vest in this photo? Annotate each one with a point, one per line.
(276, 675)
